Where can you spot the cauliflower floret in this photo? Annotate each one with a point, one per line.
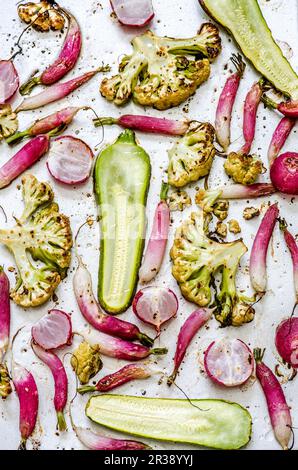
(43, 16)
(42, 234)
(196, 258)
(159, 73)
(178, 200)
(5, 385)
(243, 169)
(250, 212)
(8, 121)
(234, 226)
(221, 229)
(86, 362)
(192, 156)
(221, 209)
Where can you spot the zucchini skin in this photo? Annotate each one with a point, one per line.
(147, 413)
(289, 86)
(122, 159)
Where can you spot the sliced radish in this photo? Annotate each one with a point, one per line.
(155, 306)
(229, 362)
(70, 160)
(133, 12)
(286, 341)
(53, 331)
(9, 80)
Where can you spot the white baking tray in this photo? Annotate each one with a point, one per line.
(104, 40)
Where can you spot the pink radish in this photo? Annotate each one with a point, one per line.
(133, 12)
(9, 80)
(27, 392)
(226, 103)
(279, 138)
(155, 306)
(121, 377)
(146, 124)
(70, 160)
(286, 341)
(287, 108)
(156, 247)
(284, 173)
(57, 91)
(23, 159)
(229, 362)
(120, 349)
(60, 379)
(53, 331)
(92, 312)
(66, 60)
(187, 332)
(293, 248)
(5, 387)
(278, 409)
(258, 256)
(251, 105)
(239, 191)
(58, 121)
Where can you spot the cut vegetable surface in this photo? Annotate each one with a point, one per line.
(229, 362)
(70, 160)
(122, 176)
(9, 80)
(53, 331)
(211, 423)
(244, 20)
(133, 12)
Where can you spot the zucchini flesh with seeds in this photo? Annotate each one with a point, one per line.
(122, 177)
(217, 423)
(245, 21)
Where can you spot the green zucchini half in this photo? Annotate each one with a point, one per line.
(121, 182)
(245, 21)
(215, 423)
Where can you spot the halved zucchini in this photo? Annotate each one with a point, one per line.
(211, 423)
(245, 21)
(122, 177)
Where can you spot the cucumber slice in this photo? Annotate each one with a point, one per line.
(245, 21)
(122, 177)
(215, 423)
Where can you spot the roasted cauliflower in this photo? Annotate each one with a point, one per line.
(178, 200)
(191, 157)
(5, 385)
(86, 362)
(159, 72)
(196, 258)
(243, 169)
(43, 15)
(40, 242)
(8, 121)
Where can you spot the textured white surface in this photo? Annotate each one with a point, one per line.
(105, 40)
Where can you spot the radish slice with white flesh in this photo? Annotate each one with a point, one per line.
(133, 12)
(53, 331)
(229, 362)
(9, 80)
(155, 306)
(70, 160)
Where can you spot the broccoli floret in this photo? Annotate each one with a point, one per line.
(159, 72)
(42, 234)
(196, 258)
(192, 156)
(86, 362)
(42, 16)
(8, 121)
(243, 169)
(178, 200)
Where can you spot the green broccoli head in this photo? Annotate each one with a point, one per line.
(192, 156)
(196, 258)
(160, 73)
(243, 169)
(8, 121)
(41, 243)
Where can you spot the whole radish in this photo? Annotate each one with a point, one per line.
(251, 105)
(284, 173)
(5, 387)
(279, 138)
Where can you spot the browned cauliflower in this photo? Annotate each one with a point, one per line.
(43, 16)
(5, 385)
(178, 200)
(234, 226)
(8, 121)
(250, 212)
(86, 362)
(221, 229)
(243, 169)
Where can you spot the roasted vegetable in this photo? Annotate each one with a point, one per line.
(243, 169)
(8, 121)
(158, 73)
(244, 20)
(211, 423)
(192, 156)
(122, 176)
(45, 234)
(43, 16)
(196, 258)
(234, 226)
(86, 361)
(250, 212)
(221, 229)
(178, 200)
